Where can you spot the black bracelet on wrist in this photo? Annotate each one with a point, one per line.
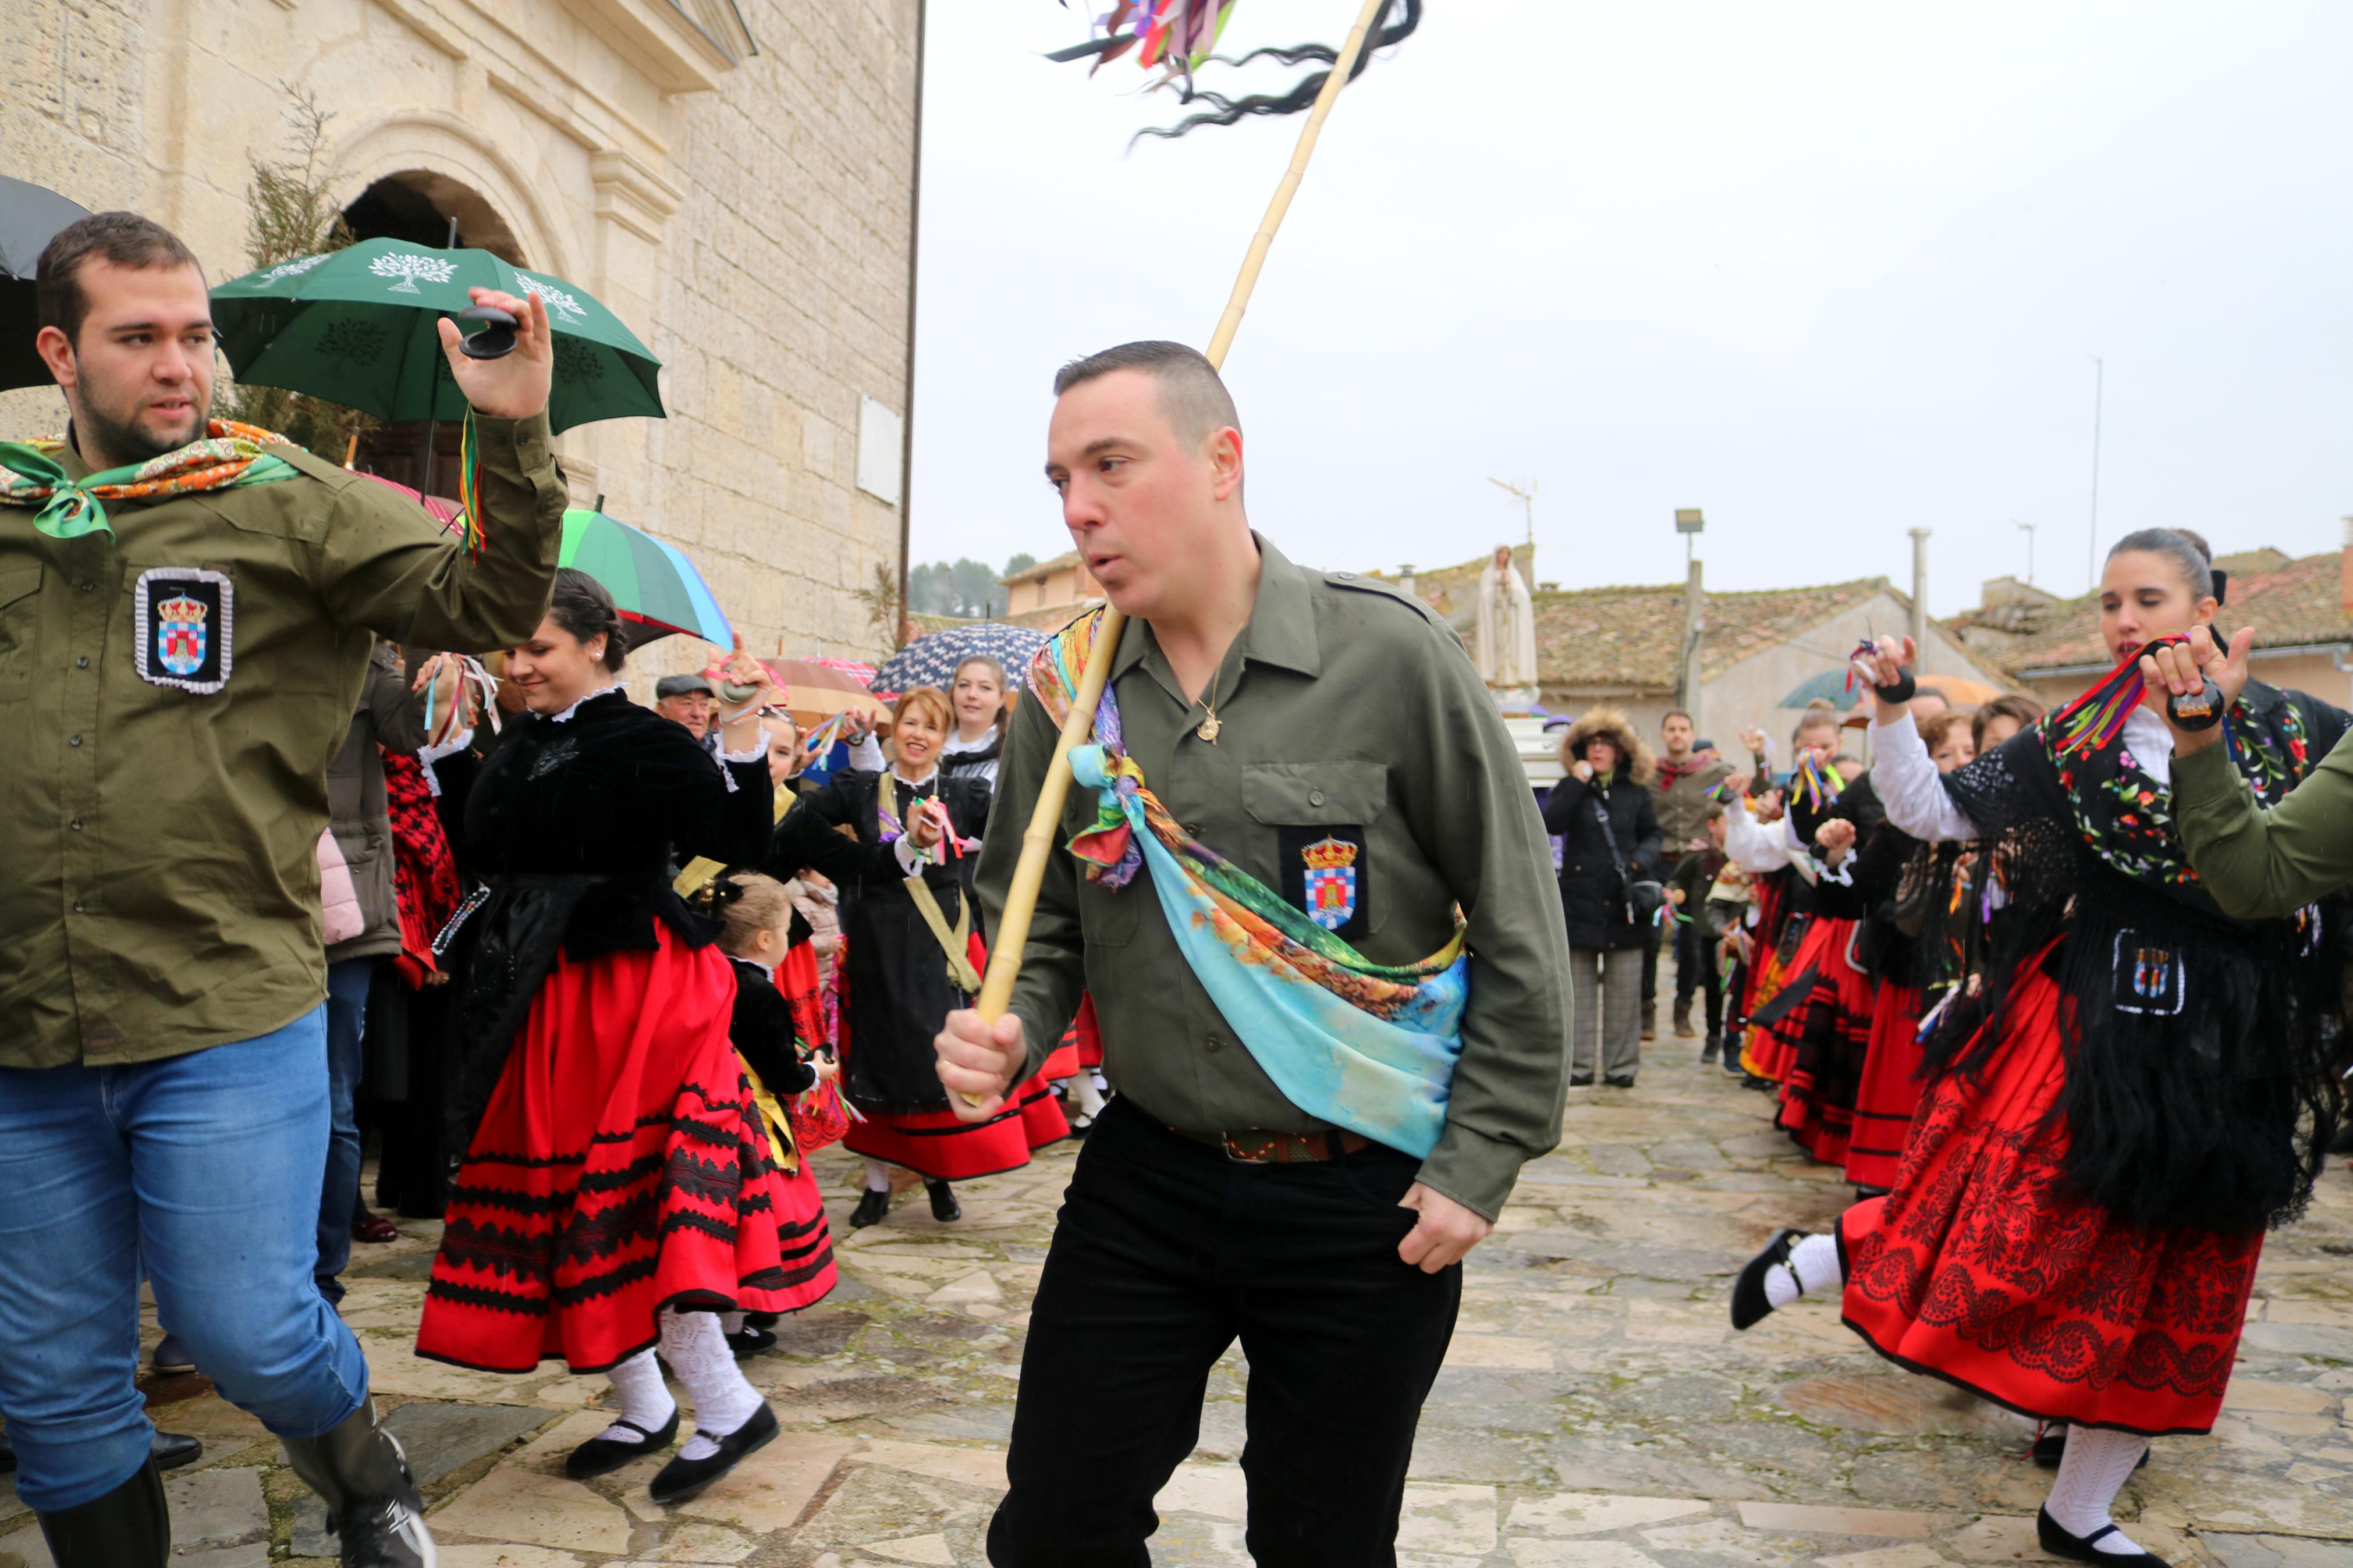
(1902, 692)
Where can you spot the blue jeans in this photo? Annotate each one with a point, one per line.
(347, 995)
(203, 1169)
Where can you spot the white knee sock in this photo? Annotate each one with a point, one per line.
(1813, 1269)
(877, 1176)
(1084, 1094)
(698, 1353)
(639, 1384)
(2095, 1470)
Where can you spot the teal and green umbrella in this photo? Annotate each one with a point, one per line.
(360, 327)
(653, 585)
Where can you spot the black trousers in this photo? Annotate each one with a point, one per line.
(1696, 968)
(1165, 1254)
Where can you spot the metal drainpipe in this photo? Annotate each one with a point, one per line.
(915, 251)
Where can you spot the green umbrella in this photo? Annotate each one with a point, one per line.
(358, 327)
(653, 585)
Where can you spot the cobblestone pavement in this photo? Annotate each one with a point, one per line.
(1596, 1408)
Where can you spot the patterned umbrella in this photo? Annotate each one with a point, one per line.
(360, 327)
(931, 660)
(815, 693)
(653, 583)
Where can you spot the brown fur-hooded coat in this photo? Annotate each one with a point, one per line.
(1592, 884)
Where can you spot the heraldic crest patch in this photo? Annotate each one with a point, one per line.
(186, 635)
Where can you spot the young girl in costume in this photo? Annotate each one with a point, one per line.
(905, 965)
(754, 920)
(2140, 1088)
(617, 1189)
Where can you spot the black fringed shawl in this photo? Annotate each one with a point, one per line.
(2200, 1086)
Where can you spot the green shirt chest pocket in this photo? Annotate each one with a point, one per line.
(1322, 816)
(20, 623)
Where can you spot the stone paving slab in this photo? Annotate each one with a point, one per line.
(1595, 1409)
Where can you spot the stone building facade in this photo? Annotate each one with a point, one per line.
(734, 178)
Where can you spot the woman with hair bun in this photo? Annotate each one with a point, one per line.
(617, 1189)
(906, 966)
(2141, 1086)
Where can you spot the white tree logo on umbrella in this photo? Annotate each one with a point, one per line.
(295, 269)
(407, 268)
(558, 300)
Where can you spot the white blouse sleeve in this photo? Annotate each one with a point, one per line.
(1755, 848)
(1911, 789)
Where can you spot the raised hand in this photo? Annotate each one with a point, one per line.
(2182, 670)
(1835, 838)
(1888, 659)
(514, 385)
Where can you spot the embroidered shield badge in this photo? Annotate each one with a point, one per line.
(1330, 883)
(186, 616)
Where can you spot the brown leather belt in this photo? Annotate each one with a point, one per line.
(1256, 1148)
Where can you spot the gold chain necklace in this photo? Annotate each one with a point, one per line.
(1212, 725)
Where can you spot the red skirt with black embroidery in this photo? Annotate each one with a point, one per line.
(1981, 1269)
(619, 1168)
(938, 1147)
(1828, 1035)
(1890, 1090)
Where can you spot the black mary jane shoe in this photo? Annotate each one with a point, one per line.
(749, 1341)
(602, 1456)
(2058, 1542)
(763, 1320)
(872, 1207)
(682, 1477)
(945, 1207)
(1749, 1306)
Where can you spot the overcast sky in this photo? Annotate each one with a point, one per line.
(1828, 272)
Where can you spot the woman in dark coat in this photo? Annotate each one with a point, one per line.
(900, 981)
(617, 1187)
(1604, 872)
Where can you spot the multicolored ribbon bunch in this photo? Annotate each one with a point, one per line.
(2097, 717)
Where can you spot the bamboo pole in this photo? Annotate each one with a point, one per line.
(1012, 933)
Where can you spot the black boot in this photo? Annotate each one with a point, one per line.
(871, 1207)
(128, 1528)
(173, 1450)
(944, 1206)
(373, 1503)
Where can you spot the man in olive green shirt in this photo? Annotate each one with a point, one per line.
(172, 685)
(2258, 864)
(1291, 721)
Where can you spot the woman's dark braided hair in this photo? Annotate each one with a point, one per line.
(583, 608)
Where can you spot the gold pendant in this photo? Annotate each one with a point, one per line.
(1210, 728)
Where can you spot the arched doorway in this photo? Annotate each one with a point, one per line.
(424, 207)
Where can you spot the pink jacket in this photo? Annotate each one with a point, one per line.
(339, 898)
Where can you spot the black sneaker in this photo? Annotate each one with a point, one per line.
(602, 1456)
(1749, 1306)
(682, 1477)
(2057, 1542)
(871, 1207)
(945, 1207)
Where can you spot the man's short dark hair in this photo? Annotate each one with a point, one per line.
(125, 239)
(1193, 398)
(1673, 713)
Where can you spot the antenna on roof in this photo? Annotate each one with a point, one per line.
(1527, 500)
